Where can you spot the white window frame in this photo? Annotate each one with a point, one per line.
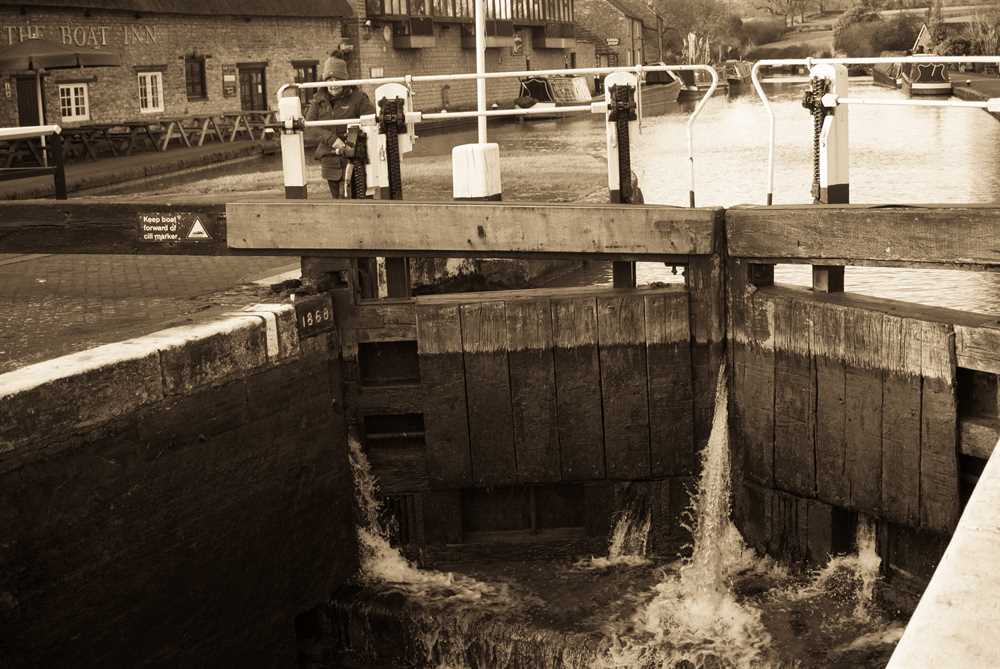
(144, 79)
(76, 113)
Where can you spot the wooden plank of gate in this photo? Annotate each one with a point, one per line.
(442, 376)
(622, 345)
(863, 407)
(467, 229)
(901, 393)
(939, 487)
(917, 235)
(794, 399)
(533, 390)
(578, 389)
(487, 388)
(832, 483)
(671, 395)
(757, 388)
(978, 348)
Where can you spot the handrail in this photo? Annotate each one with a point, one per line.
(408, 80)
(809, 62)
(57, 170)
(991, 104)
(29, 131)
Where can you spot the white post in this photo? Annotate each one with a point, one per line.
(611, 136)
(834, 162)
(293, 146)
(481, 67)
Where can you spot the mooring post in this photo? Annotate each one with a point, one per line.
(293, 145)
(621, 120)
(59, 166)
(475, 168)
(831, 159)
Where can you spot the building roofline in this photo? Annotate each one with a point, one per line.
(261, 8)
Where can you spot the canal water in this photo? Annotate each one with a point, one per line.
(899, 155)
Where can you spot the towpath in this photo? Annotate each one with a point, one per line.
(81, 175)
(57, 304)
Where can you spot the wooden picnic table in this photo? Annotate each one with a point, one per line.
(258, 119)
(185, 128)
(134, 133)
(89, 138)
(235, 123)
(22, 147)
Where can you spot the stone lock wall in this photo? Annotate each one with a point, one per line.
(172, 500)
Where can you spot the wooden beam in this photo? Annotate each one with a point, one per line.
(978, 436)
(944, 235)
(102, 226)
(470, 229)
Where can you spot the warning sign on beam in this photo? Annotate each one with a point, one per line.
(174, 226)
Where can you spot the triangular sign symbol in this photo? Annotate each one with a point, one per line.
(198, 231)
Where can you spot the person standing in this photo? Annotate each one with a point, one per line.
(334, 145)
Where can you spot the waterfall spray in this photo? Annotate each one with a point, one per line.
(694, 615)
(382, 563)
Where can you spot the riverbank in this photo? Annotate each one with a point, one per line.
(134, 169)
(976, 86)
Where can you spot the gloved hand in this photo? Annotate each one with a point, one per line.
(341, 148)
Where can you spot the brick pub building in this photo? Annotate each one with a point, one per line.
(178, 56)
(183, 57)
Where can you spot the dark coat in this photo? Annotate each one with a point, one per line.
(348, 103)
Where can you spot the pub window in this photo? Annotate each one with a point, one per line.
(194, 77)
(74, 102)
(150, 92)
(305, 71)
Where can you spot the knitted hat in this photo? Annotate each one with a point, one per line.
(334, 68)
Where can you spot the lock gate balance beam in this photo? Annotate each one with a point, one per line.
(469, 230)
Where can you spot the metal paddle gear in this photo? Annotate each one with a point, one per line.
(622, 111)
(812, 99)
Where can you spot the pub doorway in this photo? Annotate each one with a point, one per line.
(27, 101)
(253, 87)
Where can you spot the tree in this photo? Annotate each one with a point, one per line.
(785, 9)
(935, 22)
(709, 20)
(983, 34)
(861, 11)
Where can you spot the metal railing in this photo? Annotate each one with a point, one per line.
(55, 148)
(409, 80)
(833, 100)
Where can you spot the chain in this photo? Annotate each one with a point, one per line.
(812, 100)
(359, 175)
(392, 121)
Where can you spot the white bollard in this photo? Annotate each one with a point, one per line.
(834, 160)
(475, 170)
(293, 146)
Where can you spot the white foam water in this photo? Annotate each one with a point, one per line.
(628, 544)
(694, 616)
(384, 564)
(853, 575)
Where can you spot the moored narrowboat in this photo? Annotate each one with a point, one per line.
(925, 79)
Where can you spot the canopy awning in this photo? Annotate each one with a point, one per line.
(42, 54)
